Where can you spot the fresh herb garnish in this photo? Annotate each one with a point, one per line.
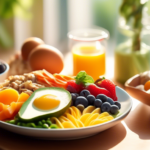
(83, 78)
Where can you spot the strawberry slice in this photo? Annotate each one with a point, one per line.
(73, 87)
(95, 90)
(109, 85)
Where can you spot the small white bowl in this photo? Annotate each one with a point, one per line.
(3, 75)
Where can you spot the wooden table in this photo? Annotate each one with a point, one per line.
(131, 134)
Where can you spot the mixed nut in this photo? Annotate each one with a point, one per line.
(22, 83)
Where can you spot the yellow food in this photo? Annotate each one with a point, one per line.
(68, 124)
(97, 110)
(57, 122)
(10, 103)
(46, 102)
(73, 118)
(84, 117)
(89, 109)
(9, 95)
(91, 118)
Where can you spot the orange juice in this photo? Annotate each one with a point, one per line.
(90, 58)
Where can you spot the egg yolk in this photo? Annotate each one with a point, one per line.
(46, 102)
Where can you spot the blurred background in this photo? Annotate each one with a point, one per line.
(51, 20)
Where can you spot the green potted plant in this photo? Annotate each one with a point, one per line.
(133, 55)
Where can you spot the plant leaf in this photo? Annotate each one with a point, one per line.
(83, 78)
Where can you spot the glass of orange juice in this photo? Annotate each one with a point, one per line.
(88, 48)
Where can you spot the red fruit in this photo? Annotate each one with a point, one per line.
(109, 85)
(95, 90)
(73, 87)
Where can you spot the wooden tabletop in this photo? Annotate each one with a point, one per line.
(133, 133)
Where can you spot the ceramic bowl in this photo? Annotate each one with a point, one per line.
(130, 87)
(3, 75)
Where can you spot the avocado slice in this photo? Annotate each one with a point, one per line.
(29, 112)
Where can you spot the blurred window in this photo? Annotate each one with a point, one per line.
(60, 16)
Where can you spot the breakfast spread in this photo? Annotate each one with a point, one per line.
(40, 99)
(38, 96)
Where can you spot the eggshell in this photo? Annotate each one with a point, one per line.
(28, 45)
(46, 57)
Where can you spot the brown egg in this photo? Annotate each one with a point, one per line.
(28, 45)
(46, 57)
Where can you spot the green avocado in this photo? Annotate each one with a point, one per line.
(29, 112)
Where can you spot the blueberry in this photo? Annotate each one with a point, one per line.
(117, 104)
(110, 101)
(76, 94)
(81, 100)
(97, 103)
(73, 95)
(102, 97)
(105, 107)
(114, 109)
(2, 67)
(91, 99)
(84, 93)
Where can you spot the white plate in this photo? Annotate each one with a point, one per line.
(68, 134)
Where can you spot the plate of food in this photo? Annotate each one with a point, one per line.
(61, 107)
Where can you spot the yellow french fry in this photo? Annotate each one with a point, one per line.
(72, 112)
(65, 114)
(97, 110)
(73, 120)
(91, 118)
(80, 123)
(88, 109)
(68, 124)
(104, 114)
(84, 117)
(98, 121)
(57, 122)
(110, 117)
(63, 119)
(77, 111)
